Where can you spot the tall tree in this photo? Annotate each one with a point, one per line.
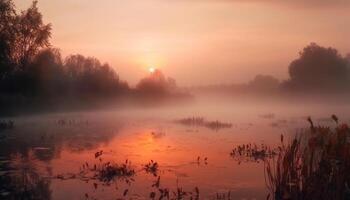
(7, 35)
(32, 35)
(21, 35)
(319, 68)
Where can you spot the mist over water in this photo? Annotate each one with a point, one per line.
(42, 149)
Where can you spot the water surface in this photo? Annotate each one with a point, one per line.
(40, 150)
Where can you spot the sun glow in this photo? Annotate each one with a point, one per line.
(151, 69)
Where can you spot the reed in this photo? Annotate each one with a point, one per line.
(200, 121)
(253, 153)
(152, 168)
(314, 165)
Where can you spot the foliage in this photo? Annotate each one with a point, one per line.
(156, 84)
(88, 75)
(22, 35)
(319, 68)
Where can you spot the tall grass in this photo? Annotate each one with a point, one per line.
(200, 121)
(314, 165)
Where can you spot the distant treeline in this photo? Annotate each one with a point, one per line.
(318, 70)
(33, 74)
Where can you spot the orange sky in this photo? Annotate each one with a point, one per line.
(196, 41)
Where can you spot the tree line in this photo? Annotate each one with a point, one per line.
(30, 66)
(32, 70)
(318, 70)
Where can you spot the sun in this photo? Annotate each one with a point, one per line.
(151, 69)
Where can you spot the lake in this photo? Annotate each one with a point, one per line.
(44, 156)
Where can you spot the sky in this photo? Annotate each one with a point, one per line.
(197, 42)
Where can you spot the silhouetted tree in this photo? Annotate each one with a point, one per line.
(21, 38)
(31, 35)
(264, 83)
(22, 35)
(33, 73)
(89, 76)
(156, 84)
(7, 35)
(46, 73)
(319, 68)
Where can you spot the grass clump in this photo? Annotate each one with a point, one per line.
(200, 121)
(152, 168)
(252, 153)
(314, 165)
(108, 172)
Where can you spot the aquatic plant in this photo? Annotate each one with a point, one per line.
(191, 121)
(177, 194)
(107, 172)
(151, 168)
(253, 153)
(223, 196)
(314, 165)
(98, 154)
(216, 125)
(205, 160)
(200, 121)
